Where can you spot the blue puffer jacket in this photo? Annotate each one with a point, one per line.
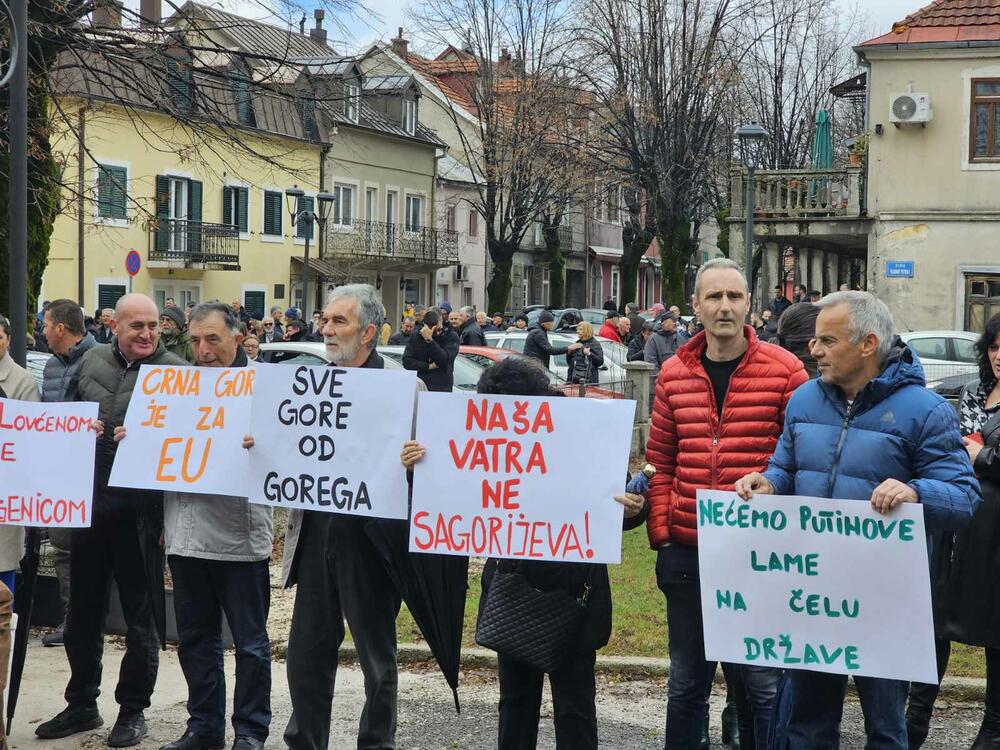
(895, 429)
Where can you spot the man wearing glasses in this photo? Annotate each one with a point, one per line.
(271, 332)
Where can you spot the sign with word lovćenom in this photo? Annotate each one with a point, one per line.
(46, 463)
(328, 439)
(184, 430)
(818, 584)
(520, 477)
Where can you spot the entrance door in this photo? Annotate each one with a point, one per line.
(982, 300)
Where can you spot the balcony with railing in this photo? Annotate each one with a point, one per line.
(800, 194)
(194, 244)
(388, 243)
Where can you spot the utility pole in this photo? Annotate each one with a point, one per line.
(18, 201)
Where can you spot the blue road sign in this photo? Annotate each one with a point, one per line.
(899, 269)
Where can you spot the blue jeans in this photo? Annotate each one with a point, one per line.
(690, 679)
(816, 704)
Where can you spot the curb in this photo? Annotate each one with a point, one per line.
(959, 689)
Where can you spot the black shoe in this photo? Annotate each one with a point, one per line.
(730, 727)
(247, 743)
(55, 638)
(191, 741)
(128, 730)
(71, 720)
(918, 726)
(988, 737)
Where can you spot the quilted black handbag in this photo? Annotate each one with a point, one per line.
(537, 628)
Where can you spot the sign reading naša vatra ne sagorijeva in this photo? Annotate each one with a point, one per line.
(813, 583)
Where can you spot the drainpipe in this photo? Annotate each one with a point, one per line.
(80, 222)
(432, 286)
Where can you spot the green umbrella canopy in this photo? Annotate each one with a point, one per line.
(822, 153)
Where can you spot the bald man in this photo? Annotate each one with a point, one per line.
(121, 543)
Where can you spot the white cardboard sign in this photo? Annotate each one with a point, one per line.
(524, 477)
(46, 463)
(185, 429)
(818, 584)
(328, 439)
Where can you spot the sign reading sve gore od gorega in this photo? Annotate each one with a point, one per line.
(184, 430)
(46, 463)
(520, 477)
(328, 439)
(818, 584)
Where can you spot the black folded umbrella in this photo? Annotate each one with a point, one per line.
(434, 589)
(24, 599)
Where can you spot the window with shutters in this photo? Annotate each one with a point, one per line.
(451, 218)
(473, 222)
(273, 208)
(180, 84)
(112, 192)
(352, 95)
(304, 225)
(984, 141)
(343, 205)
(414, 213)
(109, 294)
(307, 112)
(254, 301)
(235, 207)
(244, 103)
(178, 215)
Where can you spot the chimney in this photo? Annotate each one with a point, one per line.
(319, 33)
(149, 13)
(107, 14)
(400, 46)
(503, 64)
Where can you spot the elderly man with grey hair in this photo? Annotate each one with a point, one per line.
(869, 430)
(469, 331)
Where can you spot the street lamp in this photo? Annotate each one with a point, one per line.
(293, 200)
(752, 138)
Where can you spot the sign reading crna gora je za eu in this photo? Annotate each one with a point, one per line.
(818, 584)
(47, 460)
(184, 430)
(328, 439)
(516, 477)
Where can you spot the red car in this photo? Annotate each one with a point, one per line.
(487, 355)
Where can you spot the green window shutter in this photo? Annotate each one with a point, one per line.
(179, 80)
(272, 213)
(194, 216)
(162, 213)
(227, 205)
(307, 112)
(242, 199)
(304, 226)
(244, 104)
(111, 192)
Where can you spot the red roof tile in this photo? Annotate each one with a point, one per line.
(946, 21)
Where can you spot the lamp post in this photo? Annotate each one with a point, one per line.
(752, 138)
(293, 199)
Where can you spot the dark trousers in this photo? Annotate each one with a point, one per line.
(203, 590)
(573, 696)
(817, 706)
(110, 550)
(923, 695)
(61, 541)
(340, 575)
(691, 675)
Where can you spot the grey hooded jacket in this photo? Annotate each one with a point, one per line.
(59, 379)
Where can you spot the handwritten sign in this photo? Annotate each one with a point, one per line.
(46, 463)
(518, 477)
(328, 439)
(825, 585)
(185, 429)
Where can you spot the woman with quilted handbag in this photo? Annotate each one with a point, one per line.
(542, 617)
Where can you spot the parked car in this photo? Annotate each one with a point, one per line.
(594, 316)
(944, 353)
(35, 365)
(565, 317)
(484, 356)
(611, 373)
(951, 387)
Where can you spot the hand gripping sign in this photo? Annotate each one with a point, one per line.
(185, 430)
(818, 584)
(328, 439)
(46, 463)
(519, 477)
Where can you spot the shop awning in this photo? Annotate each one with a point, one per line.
(611, 254)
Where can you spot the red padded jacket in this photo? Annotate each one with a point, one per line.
(692, 446)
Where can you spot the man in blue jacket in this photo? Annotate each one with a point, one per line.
(867, 429)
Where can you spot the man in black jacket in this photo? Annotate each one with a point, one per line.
(431, 351)
(402, 336)
(537, 344)
(470, 334)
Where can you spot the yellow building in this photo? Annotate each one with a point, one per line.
(188, 147)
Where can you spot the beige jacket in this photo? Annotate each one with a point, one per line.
(18, 385)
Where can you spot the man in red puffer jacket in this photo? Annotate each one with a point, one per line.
(718, 412)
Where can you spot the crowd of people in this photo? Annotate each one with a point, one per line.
(804, 413)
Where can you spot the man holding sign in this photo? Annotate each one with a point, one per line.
(867, 430)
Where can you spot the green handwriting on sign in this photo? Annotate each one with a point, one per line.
(785, 563)
(782, 650)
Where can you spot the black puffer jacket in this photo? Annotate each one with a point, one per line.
(471, 334)
(584, 368)
(441, 350)
(537, 346)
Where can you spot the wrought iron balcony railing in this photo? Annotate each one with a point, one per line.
(194, 243)
(383, 241)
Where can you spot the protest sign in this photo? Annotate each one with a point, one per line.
(47, 460)
(518, 477)
(328, 439)
(185, 429)
(811, 583)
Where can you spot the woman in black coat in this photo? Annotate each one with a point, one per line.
(573, 685)
(585, 362)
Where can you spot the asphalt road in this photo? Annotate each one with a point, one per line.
(630, 712)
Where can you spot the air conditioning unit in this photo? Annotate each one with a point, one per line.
(461, 273)
(910, 108)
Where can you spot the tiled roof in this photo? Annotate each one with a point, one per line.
(371, 119)
(454, 93)
(946, 21)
